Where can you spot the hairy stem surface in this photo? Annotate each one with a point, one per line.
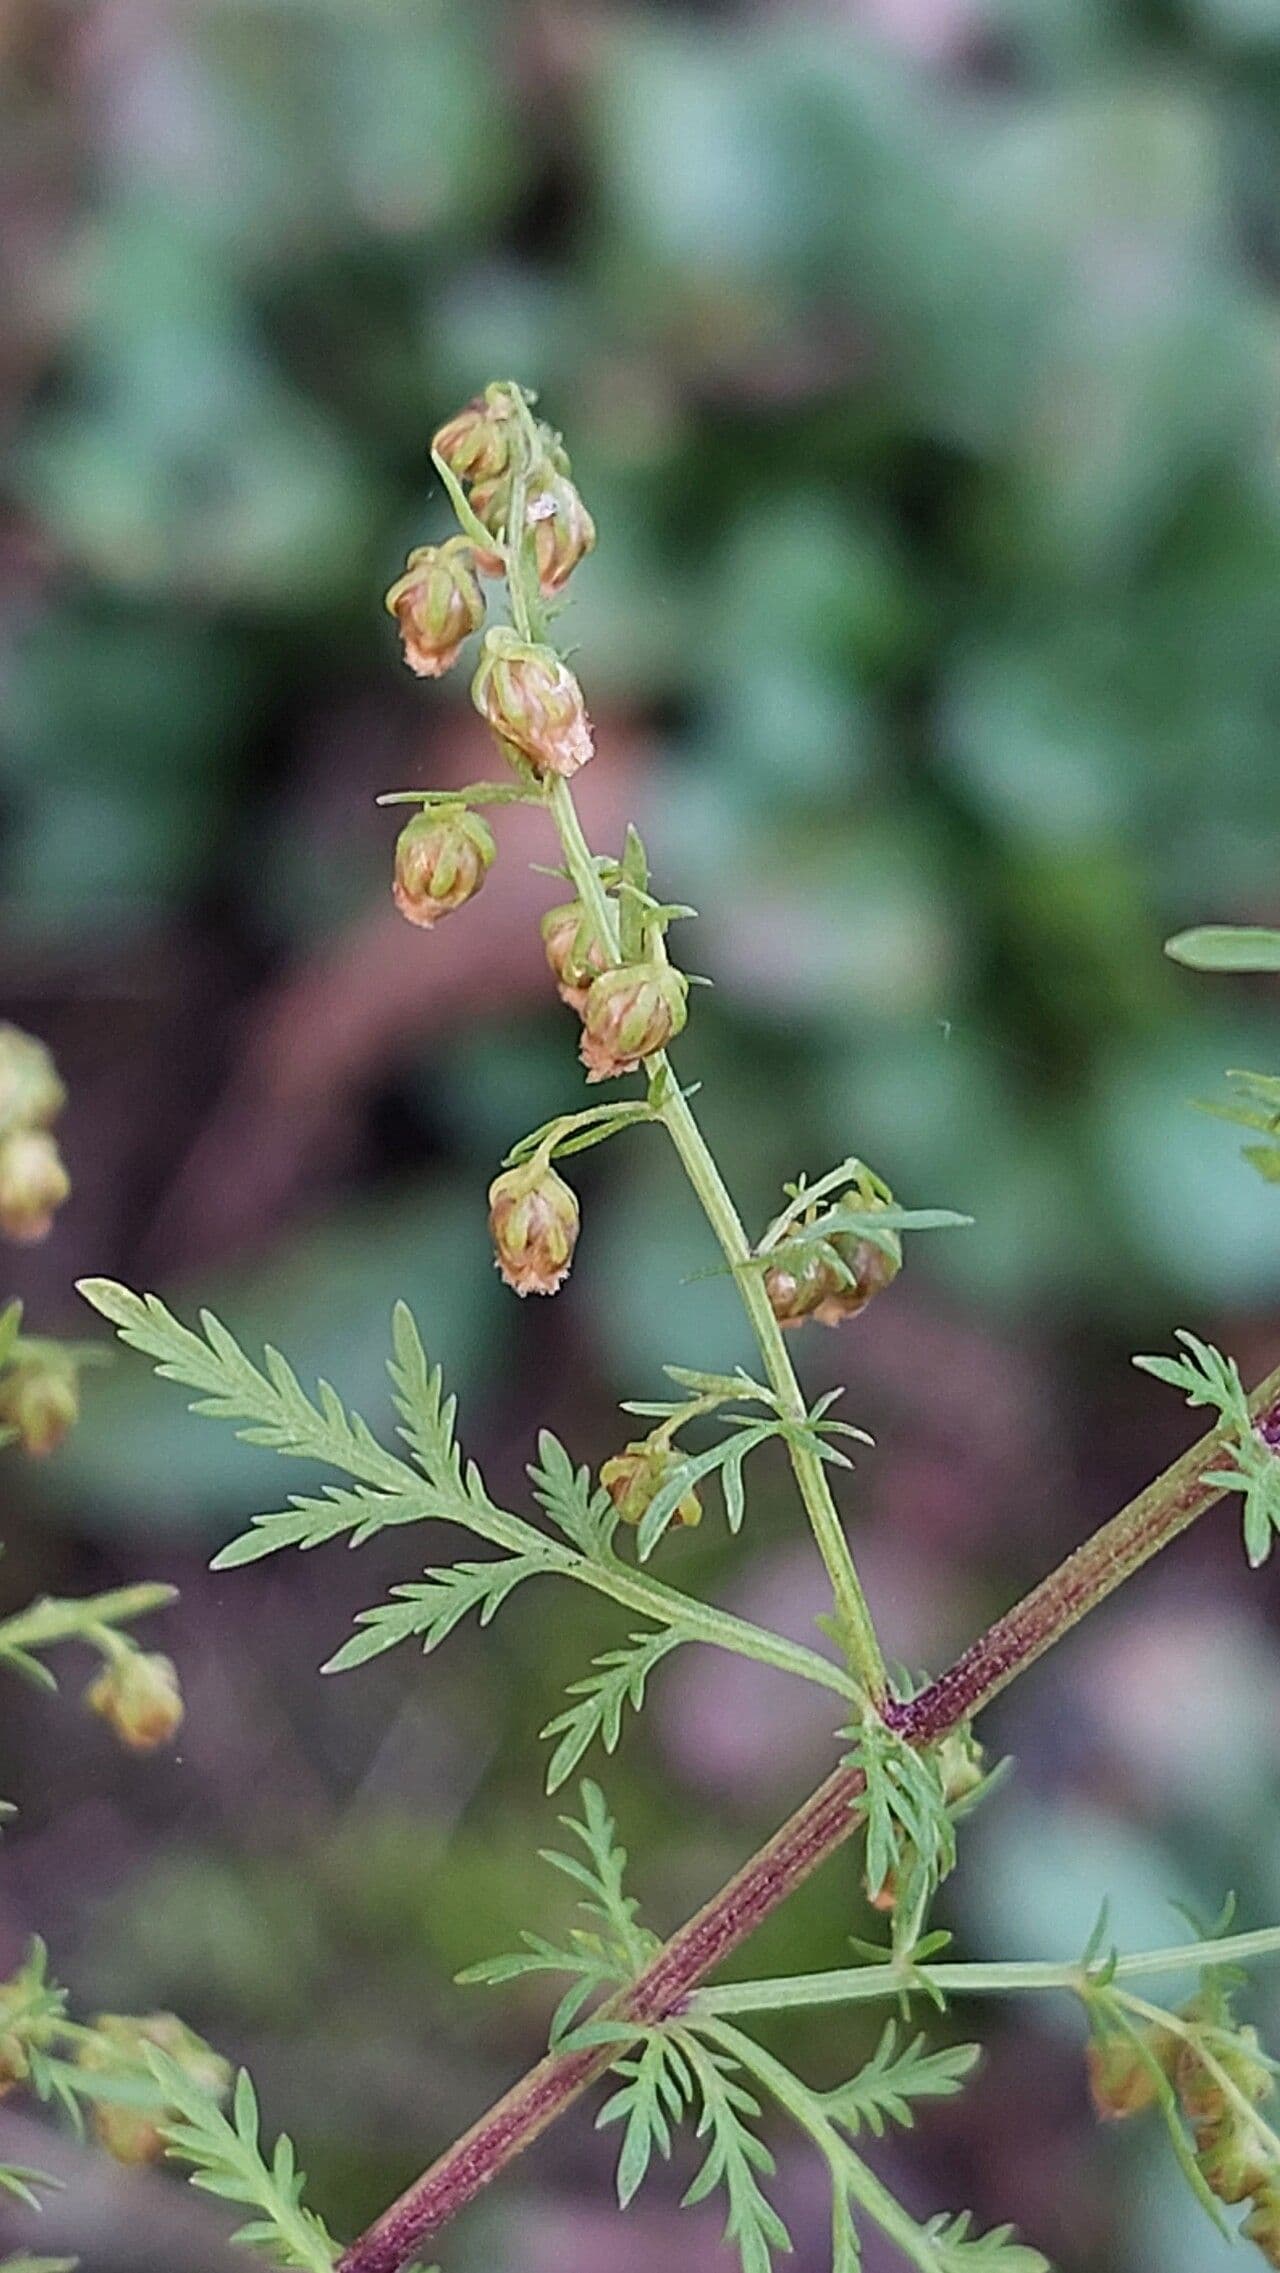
(824, 1823)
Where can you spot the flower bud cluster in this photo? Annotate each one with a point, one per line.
(118, 2046)
(1234, 2154)
(33, 1181)
(479, 446)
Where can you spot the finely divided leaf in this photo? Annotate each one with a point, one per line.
(618, 1680)
(588, 1519)
(894, 2076)
(429, 1609)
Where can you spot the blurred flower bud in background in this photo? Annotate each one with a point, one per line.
(40, 1397)
(135, 2134)
(137, 1692)
(634, 1477)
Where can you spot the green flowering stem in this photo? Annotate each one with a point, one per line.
(50, 1621)
(674, 1110)
(862, 1984)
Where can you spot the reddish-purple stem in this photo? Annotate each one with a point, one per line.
(825, 1821)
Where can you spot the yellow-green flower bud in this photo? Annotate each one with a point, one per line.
(31, 1094)
(476, 442)
(120, 2044)
(40, 1400)
(573, 951)
(437, 604)
(33, 1184)
(1121, 2081)
(634, 1477)
(1202, 2096)
(628, 1014)
(1233, 2157)
(533, 703)
(564, 532)
(137, 1693)
(534, 1221)
(442, 859)
(1262, 2226)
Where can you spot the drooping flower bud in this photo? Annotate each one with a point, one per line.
(628, 1014)
(40, 1399)
(31, 1094)
(533, 703)
(1233, 2157)
(442, 859)
(1121, 2082)
(1202, 2096)
(1262, 2226)
(475, 443)
(437, 604)
(872, 1268)
(534, 1220)
(137, 1692)
(796, 1286)
(564, 532)
(634, 1477)
(120, 2043)
(33, 1184)
(573, 951)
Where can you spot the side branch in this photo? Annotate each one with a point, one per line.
(1166, 1508)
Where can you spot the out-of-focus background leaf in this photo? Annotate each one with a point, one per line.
(921, 360)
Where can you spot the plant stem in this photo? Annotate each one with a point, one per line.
(51, 1620)
(861, 1984)
(857, 1629)
(814, 1832)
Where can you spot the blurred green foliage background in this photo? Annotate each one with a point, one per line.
(920, 363)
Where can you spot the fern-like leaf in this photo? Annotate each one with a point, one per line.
(225, 2158)
(427, 1610)
(959, 2249)
(1205, 1377)
(895, 2075)
(735, 2156)
(905, 1806)
(587, 1518)
(657, 2087)
(267, 1402)
(427, 1415)
(618, 1679)
(601, 1878)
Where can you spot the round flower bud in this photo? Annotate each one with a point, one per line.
(442, 858)
(1233, 2158)
(1203, 2099)
(31, 1094)
(628, 1014)
(136, 2134)
(872, 1268)
(533, 703)
(634, 1477)
(564, 532)
(137, 1692)
(33, 1184)
(40, 1400)
(533, 1218)
(574, 953)
(1262, 2226)
(796, 1286)
(437, 604)
(1120, 2081)
(475, 443)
